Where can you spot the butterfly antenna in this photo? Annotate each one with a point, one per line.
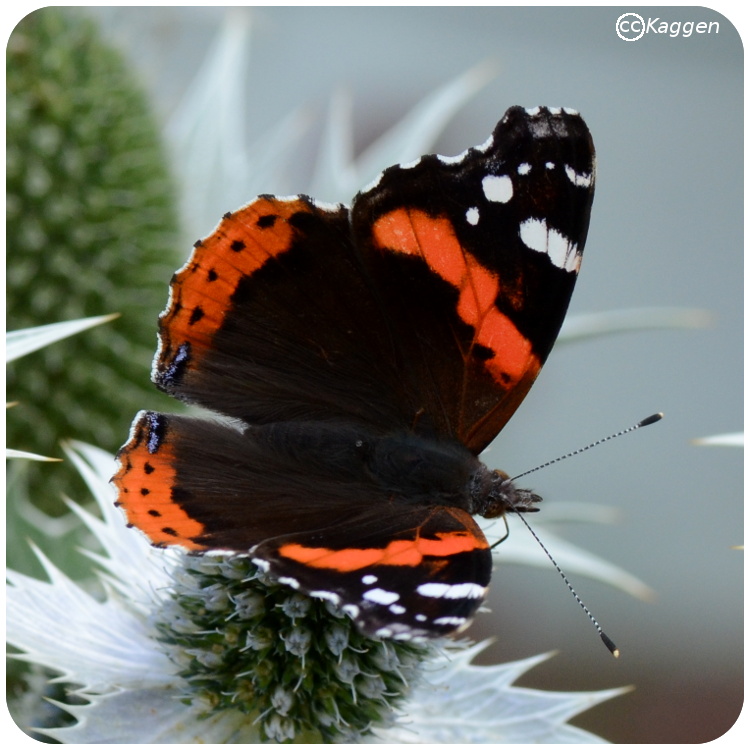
(608, 642)
(643, 423)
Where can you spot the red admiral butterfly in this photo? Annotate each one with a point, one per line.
(365, 357)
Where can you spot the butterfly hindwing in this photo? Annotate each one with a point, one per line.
(397, 568)
(208, 484)
(398, 572)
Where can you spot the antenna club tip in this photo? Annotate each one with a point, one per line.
(650, 420)
(609, 643)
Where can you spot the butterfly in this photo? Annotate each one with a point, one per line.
(358, 360)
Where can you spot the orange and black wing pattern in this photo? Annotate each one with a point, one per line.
(357, 361)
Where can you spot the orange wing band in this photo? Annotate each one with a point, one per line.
(202, 290)
(144, 482)
(414, 232)
(408, 552)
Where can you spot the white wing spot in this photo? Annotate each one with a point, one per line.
(351, 609)
(454, 591)
(497, 188)
(573, 262)
(381, 596)
(472, 216)
(327, 595)
(369, 579)
(579, 180)
(450, 621)
(397, 609)
(433, 589)
(536, 235)
(293, 582)
(524, 168)
(533, 233)
(262, 564)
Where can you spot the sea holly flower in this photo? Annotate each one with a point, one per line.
(180, 648)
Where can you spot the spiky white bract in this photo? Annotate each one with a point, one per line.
(607, 322)
(27, 340)
(460, 702)
(733, 439)
(12, 453)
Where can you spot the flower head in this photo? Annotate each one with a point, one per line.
(179, 648)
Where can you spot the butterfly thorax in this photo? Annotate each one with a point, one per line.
(444, 472)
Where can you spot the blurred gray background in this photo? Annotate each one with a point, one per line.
(666, 230)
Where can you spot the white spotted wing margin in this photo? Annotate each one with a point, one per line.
(405, 574)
